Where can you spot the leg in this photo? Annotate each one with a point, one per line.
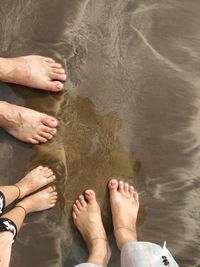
(33, 71)
(124, 206)
(42, 200)
(87, 218)
(124, 203)
(12, 221)
(6, 240)
(34, 180)
(27, 125)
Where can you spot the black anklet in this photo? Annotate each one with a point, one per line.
(2, 202)
(6, 225)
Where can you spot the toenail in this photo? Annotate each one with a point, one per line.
(59, 86)
(53, 131)
(113, 183)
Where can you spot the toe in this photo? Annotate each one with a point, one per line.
(51, 189)
(126, 188)
(121, 186)
(75, 209)
(54, 194)
(53, 199)
(39, 168)
(49, 121)
(82, 200)
(47, 173)
(33, 141)
(59, 77)
(48, 130)
(113, 184)
(48, 136)
(58, 70)
(51, 179)
(136, 196)
(54, 86)
(131, 189)
(40, 138)
(90, 196)
(49, 60)
(74, 215)
(56, 65)
(78, 204)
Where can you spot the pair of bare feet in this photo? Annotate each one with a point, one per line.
(37, 72)
(24, 190)
(124, 203)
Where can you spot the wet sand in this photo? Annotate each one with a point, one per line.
(130, 109)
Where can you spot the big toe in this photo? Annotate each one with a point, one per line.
(49, 121)
(55, 86)
(113, 185)
(90, 196)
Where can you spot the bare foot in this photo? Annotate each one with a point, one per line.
(87, 218)
(42, 200)
(34, 180)
(124, 203)
(33, 71)
(26, 124)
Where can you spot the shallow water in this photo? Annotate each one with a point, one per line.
(130, 109)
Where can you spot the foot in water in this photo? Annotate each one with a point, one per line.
(42, 200)
(124, 203)
(26, 124)
(87, 218)
(33, 71)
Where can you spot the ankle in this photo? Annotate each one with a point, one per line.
(100, 252)
(22, 190)
(25, 205)
(124, 236)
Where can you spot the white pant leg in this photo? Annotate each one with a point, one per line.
(87, 265)
(145, 254)
(6, 240)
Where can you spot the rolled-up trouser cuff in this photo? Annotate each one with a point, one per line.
(146, 254)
